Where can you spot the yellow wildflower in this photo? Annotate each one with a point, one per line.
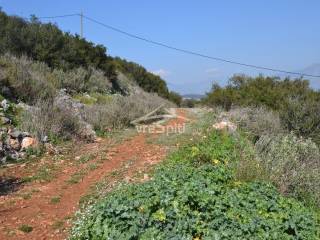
(215, 161)
(237, 183)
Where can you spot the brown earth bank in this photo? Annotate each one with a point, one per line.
(48, 206)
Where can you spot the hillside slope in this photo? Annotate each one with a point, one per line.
(59, 50)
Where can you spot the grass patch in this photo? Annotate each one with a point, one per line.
(58, 225)
(85, 99)
(55, 199)
(86, 158)
(25, 228)
(77, 177)
(26, 196)
(44, 173)
(92, 166)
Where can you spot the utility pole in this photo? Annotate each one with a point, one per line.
(81, 24)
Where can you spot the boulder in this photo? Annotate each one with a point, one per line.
(28, 142)
(4, 104)
(12, 142)
(66, 103)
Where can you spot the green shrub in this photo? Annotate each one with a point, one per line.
(189, 103)
(298, 105)
(293, 164)
(189, 198)
(256, 121)
(301, 116)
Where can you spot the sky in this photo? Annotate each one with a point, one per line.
(277, 34)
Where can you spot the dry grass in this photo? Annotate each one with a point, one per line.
(47, 120)
(121, 110)
(256, 121)
(293, 164)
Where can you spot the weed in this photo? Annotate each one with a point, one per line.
(44, 173)
(58, 225)
(55, 200)
(77, 177)
(92, 166)
(86, 158)
(25, 228)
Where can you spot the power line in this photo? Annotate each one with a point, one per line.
(196, 53)
(52, 17)
(184, 50)
(59, 16)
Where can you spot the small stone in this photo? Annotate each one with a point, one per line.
(4, 120)
(3, 160)
(4, 104)
(225, 125)
(45, 139)
(146, 177)
(14, 143)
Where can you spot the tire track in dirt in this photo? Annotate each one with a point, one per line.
(46, 217)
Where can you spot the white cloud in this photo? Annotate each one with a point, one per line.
(212, 71)
(161, 72)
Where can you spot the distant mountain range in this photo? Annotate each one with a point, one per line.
(313, 69)
(193, 96)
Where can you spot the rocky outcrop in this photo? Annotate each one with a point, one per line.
(14, 143)
(65, 102)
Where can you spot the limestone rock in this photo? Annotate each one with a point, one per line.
(225, 125)
(28, 142)
(14, 143)
(4, 104)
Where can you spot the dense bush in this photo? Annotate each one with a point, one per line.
(296, 103)
(302, 116)
(293, 164)
(194, 195)
(24, 79)
(45, 119)
(189, 103)
(81, 80)
(175, 98)
(256, 121)
(271, 92)
(29, 81)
